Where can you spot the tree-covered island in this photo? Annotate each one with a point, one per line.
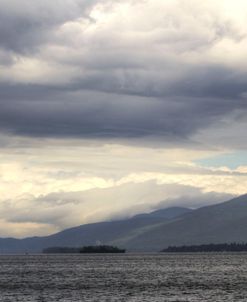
(101, 249)
(84, 250)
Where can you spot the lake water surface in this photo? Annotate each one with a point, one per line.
(128, 277)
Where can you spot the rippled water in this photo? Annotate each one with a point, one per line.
(173, 277)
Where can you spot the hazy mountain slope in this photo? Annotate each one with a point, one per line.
(221, 223)
(88, 234)
(168, 213)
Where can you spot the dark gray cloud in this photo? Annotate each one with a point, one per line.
(25, 25)
(49, 112)
(118, 89)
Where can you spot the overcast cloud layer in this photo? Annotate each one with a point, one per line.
(120, 68)
(102, 94)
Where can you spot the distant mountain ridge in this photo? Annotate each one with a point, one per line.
(221, 223)
(90, 234)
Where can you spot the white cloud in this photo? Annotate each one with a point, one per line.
(60, 210)
(59, 185)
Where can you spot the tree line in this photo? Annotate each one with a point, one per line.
(222, 247)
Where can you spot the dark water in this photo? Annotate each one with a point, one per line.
(191, 277)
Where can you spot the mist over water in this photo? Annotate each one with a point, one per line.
(173, 277)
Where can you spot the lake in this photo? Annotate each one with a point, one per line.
(125, 277)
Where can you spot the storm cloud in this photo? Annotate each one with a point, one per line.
(93, 69)
(27, 25)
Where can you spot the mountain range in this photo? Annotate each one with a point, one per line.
(221, 223)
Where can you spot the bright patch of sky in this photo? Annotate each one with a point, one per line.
(231, 160)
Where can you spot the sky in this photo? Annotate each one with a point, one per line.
(113, 108)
